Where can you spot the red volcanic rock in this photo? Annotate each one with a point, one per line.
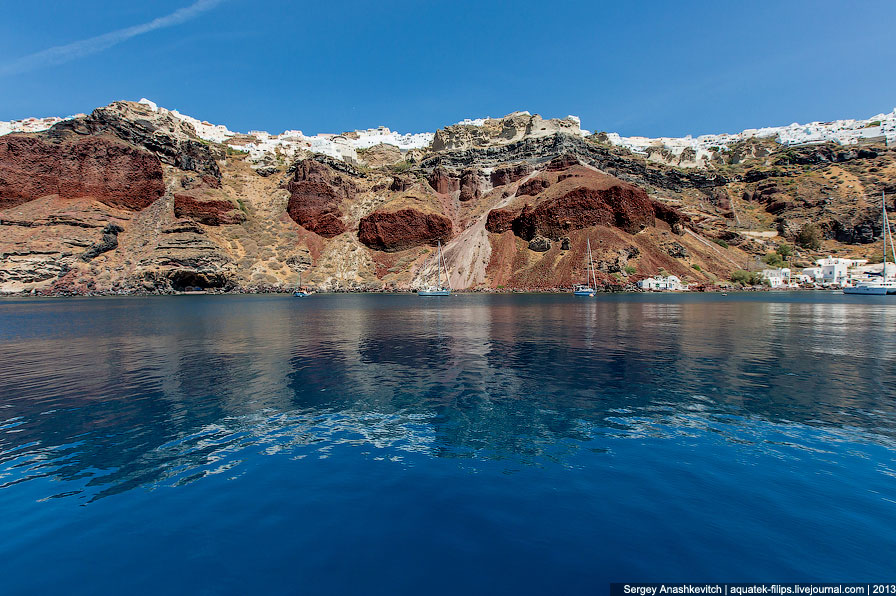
(503, 176)
(622, 205)
(443, 182)
(401, 183)
(669, 214)
(315, 194)
(211, 181)
(562, 162)
(525, 224)
(532, 187)
(106, 169)
(315, 207)
(610, 202)
(469, 185)
(310, 170)
(499, 220)
(402, 229)
(211, 213)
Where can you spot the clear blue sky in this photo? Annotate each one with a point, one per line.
(639, 68)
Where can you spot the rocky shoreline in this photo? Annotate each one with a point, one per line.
(625, 289)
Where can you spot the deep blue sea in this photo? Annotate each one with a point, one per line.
(391, 444)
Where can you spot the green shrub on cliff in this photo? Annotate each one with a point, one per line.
(809, 237)
(747, 278)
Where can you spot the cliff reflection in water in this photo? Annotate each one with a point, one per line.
(112, 394)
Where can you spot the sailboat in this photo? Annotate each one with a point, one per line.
(299, 292)
(883, 285)
(587, 288)
(438, 290)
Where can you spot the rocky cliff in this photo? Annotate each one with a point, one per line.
(132, 199)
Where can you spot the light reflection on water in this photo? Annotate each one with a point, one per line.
(101, 397)
(133, 390)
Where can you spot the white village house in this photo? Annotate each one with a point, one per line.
(832, 271)
(660, 283)
(777, 278)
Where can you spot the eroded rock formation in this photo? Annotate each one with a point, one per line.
(403, 229)
(211, 212)
(595, 200)
(316, 193)
(103, 168)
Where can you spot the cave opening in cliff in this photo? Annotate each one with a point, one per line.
(186, 280)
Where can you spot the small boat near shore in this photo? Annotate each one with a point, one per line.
(299, 292)
(882, 286)
(587, 288)
(438, 289)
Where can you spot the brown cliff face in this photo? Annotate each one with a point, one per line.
(315, 196)
(403, 229)
(669, 214)
(621, 205)
(443, 182)
(502, 176)
(80, 209)
(209, 212)
(104, 168)
(499, 221)
(582, 199)
(562, 162)
(533, 187)
(173, 141)
(401, 183)
(470, 185)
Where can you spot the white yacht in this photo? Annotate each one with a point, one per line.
(587, 288)
(884, 285)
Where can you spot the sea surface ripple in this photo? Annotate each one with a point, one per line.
(472, 444)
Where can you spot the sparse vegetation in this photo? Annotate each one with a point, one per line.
(400, 167)
(747, 278)
(773, 259)
(696, 267)
(630, 269)
(809, 237)
(720, 242)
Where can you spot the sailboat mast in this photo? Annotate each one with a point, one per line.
(588, 271)
(447, 277)
(439, 264)
(883, 201)
(889, 236)
(590, 278)
(591, 264)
